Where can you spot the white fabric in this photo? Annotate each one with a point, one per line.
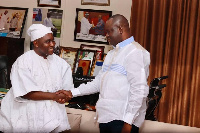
(85, 26)
(48, 22)
(122, 84)
(36, 31)
(32, 72)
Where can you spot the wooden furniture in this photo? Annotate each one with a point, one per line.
(12, 48)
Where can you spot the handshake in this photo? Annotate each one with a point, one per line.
(62, 96)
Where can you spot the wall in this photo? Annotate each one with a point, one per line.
(69, 15)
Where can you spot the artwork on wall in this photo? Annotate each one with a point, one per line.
(50, 18)
(97, 68)
(99, 49)
(49, 3)
(96, 2)
(90, 24)
(83, 59)
(12, 21)
(69, 55)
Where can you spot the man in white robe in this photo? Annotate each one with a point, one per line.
(85, 25)
(3, 20)
(33, 104)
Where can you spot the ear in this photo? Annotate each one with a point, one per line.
(35, 43)
(120, 29)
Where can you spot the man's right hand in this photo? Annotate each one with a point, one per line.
(68, 95)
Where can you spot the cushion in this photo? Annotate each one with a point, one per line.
(74, 121)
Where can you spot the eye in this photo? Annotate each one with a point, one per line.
(47, 41)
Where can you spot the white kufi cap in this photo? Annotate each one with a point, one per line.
(36, 31)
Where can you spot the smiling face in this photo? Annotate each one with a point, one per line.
(44, 46)
(113, 34)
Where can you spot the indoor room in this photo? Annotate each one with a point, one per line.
(130, 61)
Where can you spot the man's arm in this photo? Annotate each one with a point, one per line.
(39, 95)
(137, 74)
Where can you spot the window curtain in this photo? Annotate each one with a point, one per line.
(170, 31)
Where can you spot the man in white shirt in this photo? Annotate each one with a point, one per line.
(32, 104)
(48, 23)
(85, 25)
(122, 81)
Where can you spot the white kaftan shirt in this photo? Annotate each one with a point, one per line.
(48, 22)
(31, 72)
(3, 21)
(85, 26)
(122, 84)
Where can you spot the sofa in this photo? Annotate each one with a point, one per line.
(83, 121)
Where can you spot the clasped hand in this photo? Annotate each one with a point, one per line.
(62, 96)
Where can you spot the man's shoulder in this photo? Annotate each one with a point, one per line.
(57, 58)
(136, 46)
(24, 58)
(26, 54)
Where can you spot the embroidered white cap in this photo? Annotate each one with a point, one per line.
(36, 31)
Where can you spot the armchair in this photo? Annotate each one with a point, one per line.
(155, 94)
(3, 71)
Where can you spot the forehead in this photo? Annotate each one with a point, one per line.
(109, 23)
(47, 37)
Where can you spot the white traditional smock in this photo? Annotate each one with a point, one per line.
(85, 26)
(32, 72)
(122, 84)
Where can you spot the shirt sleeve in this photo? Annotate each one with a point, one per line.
(137, 67)
(22, 81)
(89, 88)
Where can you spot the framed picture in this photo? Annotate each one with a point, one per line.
(12, 21)
(90, 24)
(96, 2)
(99, 49)
(50, 18)
(69, 55)
(50, 3)
(97, 68)
(85, 58)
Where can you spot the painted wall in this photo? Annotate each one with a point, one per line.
(69, 14)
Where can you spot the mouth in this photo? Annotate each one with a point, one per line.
(51, 48)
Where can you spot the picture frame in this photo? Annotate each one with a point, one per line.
(99, 49)
(49, 17)
(97, 68)
(12, 21)
(49, 3)
(96, 2)
(85, 55)
(69, 55)
(90, 24)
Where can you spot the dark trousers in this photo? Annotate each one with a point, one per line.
(115, 127)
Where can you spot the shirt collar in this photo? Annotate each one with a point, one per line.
(125, 42)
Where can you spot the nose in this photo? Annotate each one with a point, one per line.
(52, 43)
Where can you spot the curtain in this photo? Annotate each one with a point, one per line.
(170, 31)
